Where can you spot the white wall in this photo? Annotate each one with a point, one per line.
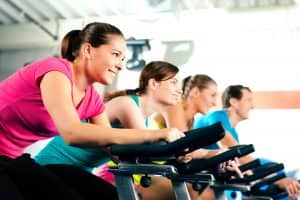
(258, 48)
(275, 135)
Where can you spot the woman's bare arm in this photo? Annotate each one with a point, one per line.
(56, 95)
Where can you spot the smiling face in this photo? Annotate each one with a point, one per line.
(168, 92)
(205, 98)
(105, 62)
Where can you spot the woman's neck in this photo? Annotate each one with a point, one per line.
(189, 113)
(78, 75)
(147, 105)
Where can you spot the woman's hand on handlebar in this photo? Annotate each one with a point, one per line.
(185, 158)
(172, 134)
(197, 154)
(231, 165)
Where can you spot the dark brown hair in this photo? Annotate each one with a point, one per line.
(232, 91)
(94, 33)
(157, 70)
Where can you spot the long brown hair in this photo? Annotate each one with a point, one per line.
(94, 33)
(157, 70)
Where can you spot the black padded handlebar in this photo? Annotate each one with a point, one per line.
(250, 165)
(268, 181)
(260, 172)
(211, 163)
(194, 139)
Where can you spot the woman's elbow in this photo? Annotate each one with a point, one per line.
(68, 137)
(68, 134)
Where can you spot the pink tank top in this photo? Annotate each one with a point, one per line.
(23, 117)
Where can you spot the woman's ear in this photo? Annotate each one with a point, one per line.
(152, 84)
(87, 51)
(194, 92)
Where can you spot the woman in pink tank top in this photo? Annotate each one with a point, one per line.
(51, 96)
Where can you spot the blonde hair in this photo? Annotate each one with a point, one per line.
(199, 80)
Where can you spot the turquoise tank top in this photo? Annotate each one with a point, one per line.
(58, 152)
